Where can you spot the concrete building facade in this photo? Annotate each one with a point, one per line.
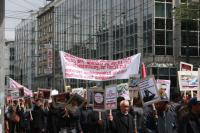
(25, 51)
(45, 74)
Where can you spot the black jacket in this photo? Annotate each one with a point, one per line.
(38, 118)
(118, 125)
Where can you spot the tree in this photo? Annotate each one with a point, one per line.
(187, 11)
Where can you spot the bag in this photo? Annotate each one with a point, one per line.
(15, 118)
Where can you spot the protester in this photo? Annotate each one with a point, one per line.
(38, 117)
(191, 121)
(84, 113)
(97, 124)
(122, 122)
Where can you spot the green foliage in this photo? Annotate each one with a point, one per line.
(190, 11)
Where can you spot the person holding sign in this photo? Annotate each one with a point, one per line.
(122, 122)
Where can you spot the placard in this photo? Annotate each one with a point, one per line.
(44, 93)
(110, 97)
(123, 90)
(148, 91)
(74, 97)
(188, 80)
(186, 67)
(134, 80)
(60, 100)
(163, 89)
(99, 100)
(14, 94)
(21, 91)
(79, 91)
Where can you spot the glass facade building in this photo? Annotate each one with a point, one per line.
(114, 29)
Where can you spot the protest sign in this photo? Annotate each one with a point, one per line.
(14, 94)
(188, 80)
(21, 91)
(148, 90)
(163, 89)
(134, 80)
(79, 91)
(198, 95)
(186, 67)
(110, 97)
(99, 100)
(123, 91)
(28, 103)
(98, 70)
(44, 93)
(60, 100)
(77, 98)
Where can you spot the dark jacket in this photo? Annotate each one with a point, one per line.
(95, 127)
(84, 113)
(190, 123)
(38, 118)
(118, 125)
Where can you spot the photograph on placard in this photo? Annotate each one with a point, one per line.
(188, 80)
(60, 100)
(99, 100)
(134, 80)
(74, 99)
(123, 90)
(186, 67)
(21, 91)
(44, 93)
(163, 89)
(110, 97)
(148, 90)
(198, 95)
(79, 91)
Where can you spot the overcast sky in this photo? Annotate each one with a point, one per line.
(15, 10)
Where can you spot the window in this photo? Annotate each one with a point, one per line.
(160, 50)
(159, 38)
(160, 12)
(169, 40)
(159, 23)
(169, 24)
(168, 10)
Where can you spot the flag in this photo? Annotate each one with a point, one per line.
(14, 85)
(144, 72)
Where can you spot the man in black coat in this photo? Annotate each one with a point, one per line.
(38, 118)
(122, 122)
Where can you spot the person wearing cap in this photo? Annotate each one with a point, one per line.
(191, 121)
(122, 122)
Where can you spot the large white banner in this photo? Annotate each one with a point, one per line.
(99, 70)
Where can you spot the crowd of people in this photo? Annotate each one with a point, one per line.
(180, 115)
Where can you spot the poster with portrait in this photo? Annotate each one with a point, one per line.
(79, 100)
(110, 97)
(90, 97)
(163, 89)
(123, 90)
(79, 91)
(21, 92)
(44, 93)
(198, 95)
(28, 103)
(134, 80)
(99, 100)
(60, 100)
(14, 94)
(188, 80)
(148, 91)
(186, 67)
